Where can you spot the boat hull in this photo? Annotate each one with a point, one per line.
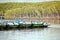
(24, 25)
(2, 27)
(11, 27)
(38, 26)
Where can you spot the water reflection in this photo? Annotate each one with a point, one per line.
(31, 34)
(54, 25)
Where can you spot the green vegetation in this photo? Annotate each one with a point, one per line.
(42, 9)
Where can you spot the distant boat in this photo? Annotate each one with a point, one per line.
(12, 25)
(23, 24)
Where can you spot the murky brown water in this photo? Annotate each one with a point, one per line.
(31, 34)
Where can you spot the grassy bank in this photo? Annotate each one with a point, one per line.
(30, 10)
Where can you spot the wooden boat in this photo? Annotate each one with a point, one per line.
(36, 24)
(11, 25)
(25, 24)
(39, 24)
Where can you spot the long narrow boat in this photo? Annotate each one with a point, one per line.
(25, 24)
(36, 24)
(39, 24)
(12, 25)
(32, 24)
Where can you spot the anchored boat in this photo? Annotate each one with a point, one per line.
(11, 25)
(39, 24)
(23, 24)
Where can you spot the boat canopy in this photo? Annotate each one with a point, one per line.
(10, 23)
(16, 23)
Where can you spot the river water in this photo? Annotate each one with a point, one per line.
(31, 34)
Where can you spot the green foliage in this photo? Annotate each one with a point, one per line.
(13, 10)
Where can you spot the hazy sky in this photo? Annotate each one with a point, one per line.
(23, 0)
